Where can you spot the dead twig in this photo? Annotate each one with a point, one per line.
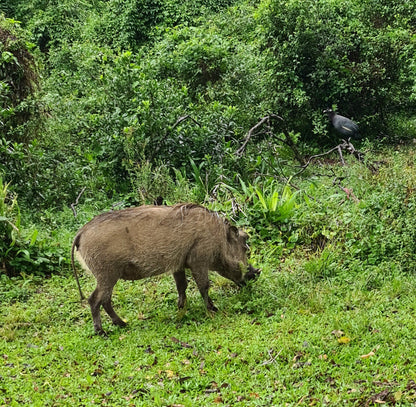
(348, 191)
(73, 205)
(350, 194)
(265, 119)
(272, 357)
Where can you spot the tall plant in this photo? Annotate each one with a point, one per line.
(9, 224)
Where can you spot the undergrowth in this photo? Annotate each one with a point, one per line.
(329, 321)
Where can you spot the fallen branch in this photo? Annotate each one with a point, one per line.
(345, 145)
(73, 205)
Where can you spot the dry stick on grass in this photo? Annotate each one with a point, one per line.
(272, 357)
(73, 205)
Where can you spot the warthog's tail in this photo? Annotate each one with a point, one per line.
(75, 244)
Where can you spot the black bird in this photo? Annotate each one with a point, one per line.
(343, 125)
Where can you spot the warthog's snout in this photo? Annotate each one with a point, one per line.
(252, 274)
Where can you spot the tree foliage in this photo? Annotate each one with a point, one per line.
(125, 83)
(357, 55)
(18, 79)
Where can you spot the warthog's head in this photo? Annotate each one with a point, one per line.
(236, 268)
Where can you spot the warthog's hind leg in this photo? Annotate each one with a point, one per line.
(95, 305)
(102, 296)
(108, 307)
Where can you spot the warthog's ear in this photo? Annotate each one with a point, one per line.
(243, 235)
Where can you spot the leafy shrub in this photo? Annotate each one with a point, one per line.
(365, 228)
(122, 25)
(20, 251)
(197, 56)
(9, 224)
(53, 23)
(128, 24)
(110, 112)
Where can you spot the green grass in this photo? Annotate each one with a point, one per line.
(329, 322)
(283, 340)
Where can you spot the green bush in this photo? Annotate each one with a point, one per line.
(9, 225)
(357, 55)
(128, 24)
(370, 225)
(111, 111)
(20, 251)
(196, 56)
(175, 86)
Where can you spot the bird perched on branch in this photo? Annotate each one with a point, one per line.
(343, 125)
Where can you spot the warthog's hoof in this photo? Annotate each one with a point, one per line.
(213, 309)
(120, 322)
(101, 332)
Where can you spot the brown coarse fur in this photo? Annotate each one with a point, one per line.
(145, 241)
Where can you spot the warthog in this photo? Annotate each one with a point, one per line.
(141, 242)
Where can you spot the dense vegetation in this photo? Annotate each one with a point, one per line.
(108, 104)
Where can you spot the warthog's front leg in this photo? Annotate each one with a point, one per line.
(201, 278)
(181, 284)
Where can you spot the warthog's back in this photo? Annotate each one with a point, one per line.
(148, 240)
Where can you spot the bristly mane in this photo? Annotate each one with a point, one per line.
(181, 210)
(185, 208)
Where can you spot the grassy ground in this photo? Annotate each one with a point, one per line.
(283, 340)
(330, 322)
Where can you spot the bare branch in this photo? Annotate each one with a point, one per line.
(240, 151)
(73, 205)
(286, 140)
(345, 145)
(182, 119)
